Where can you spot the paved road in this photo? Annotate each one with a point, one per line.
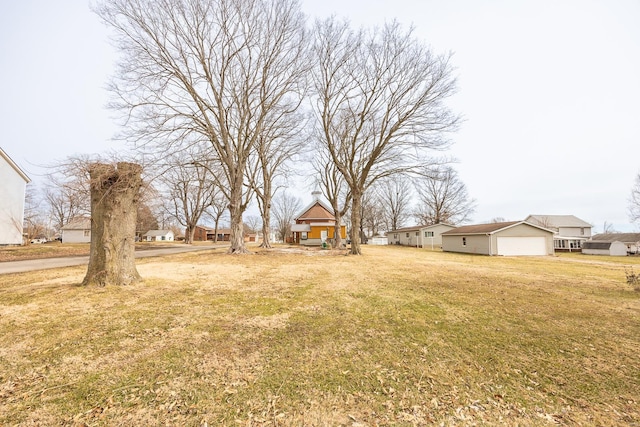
(46, 263)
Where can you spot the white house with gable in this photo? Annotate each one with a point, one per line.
(13, 186)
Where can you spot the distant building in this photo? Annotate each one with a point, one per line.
(158, 236)
(78, 230)
(421, 236)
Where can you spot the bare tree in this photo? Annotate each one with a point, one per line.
(373, 215)
(213, 71)
(145, 219)
(278, 144)
(35, 222)
(333, 187)
(443, 198)
(216, 211)
(634, 201)
(379, 101)
(67, 190)
(285, 207)
(394, 195)
(607, 228)
(191, 187)
(253, 223)
(114, 198)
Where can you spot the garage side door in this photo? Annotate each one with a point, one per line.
(522, 246)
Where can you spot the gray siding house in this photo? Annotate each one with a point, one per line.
(420, 236)
(516, 238)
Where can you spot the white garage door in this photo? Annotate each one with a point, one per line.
(522, 246)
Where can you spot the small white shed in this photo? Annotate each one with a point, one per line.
(598, 247)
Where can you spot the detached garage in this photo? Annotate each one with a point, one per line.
(517, 238)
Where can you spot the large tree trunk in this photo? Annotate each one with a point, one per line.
(237, 232)
(266, 228)
(337, 230)
(114, 200)
(355, 224)
(189, 234)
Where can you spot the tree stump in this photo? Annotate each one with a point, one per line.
(114, 198)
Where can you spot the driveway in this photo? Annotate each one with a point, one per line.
(46, 263)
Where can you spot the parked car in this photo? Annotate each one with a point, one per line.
(36, 241)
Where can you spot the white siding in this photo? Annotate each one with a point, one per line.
(12, 193)
(76, 236)
(514, 246)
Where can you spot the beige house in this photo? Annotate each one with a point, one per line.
(12, 198)
(569, 232)
(516, 238)
(78, 230)
(420, 236)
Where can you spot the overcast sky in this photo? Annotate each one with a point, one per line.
(549, 90)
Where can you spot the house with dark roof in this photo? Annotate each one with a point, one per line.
(569, 231)
(609, 248)
(630, 240)
(515, 238)
(12, 199)
(420, 236)
(315, 225)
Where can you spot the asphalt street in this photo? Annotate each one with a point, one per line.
(47, 263)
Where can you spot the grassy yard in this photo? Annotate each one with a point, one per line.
(399, 336)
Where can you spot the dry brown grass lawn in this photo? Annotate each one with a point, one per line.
(399, 336)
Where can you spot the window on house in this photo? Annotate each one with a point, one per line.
(407, 234)
(163, 237)
(417, 233)
(87, 233)
(464, 241)
(582, 231)
(303, 235)
(395, 236)
(428, 234)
